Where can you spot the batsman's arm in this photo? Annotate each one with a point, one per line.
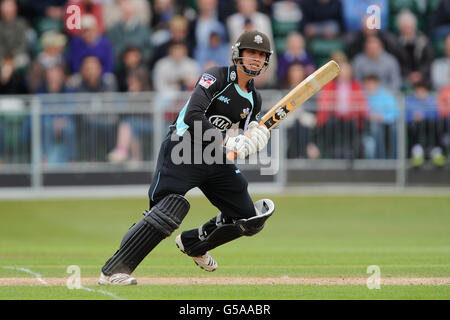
(297, 96)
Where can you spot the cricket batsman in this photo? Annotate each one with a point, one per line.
(224, 97)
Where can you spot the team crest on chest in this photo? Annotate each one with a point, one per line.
(245, 113)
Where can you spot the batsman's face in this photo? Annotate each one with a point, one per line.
(253, 59)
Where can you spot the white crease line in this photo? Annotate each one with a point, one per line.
(39, 278)
(102, 292)
(37, 275)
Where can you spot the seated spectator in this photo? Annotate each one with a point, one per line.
(353, 10)
(130, 61)
(89, 79)
(132, 126)
(440, 20)
(176, 72)
(381, 141)
(11, 80)
(58, 130)
(354, 41)
(13, 34)
(14, 121)
(130, 31)
(216, 53)
(421, 117)
(295, 73)
(112, 13)
(342, 110)
(179, 29)
(34, 76)
(321, 18)
(92, 8)
(248, 11)
(294, 53)
(248, 18)
(207, 21)
(440, 68)
(444, 119)
(90, 43)
(163, 11)
(53, 44)
(417, 50)
(374, 60)
(98, 129)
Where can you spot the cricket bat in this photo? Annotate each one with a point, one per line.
(297, 96)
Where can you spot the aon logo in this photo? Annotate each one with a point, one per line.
(220, 122)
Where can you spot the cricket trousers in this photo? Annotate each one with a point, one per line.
(222, 183)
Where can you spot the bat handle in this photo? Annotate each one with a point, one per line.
(232, 155)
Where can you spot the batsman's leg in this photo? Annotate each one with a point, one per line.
(141, 238)
(220, 230)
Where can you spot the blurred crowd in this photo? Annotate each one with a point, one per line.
(164, 45)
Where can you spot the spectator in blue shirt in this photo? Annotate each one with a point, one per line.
(216, 53)
(381, 141)
(422, 117)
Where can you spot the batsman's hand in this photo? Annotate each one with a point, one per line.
(259, 134)
(242, 145)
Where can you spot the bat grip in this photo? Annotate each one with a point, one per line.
(232, 155)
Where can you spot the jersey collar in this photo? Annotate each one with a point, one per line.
(233, 77)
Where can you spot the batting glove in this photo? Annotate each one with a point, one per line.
(258, 134)
(242, 145)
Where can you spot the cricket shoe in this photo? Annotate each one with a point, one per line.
(117, 279)
(206, 262)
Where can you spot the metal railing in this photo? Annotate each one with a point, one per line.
(115, 132)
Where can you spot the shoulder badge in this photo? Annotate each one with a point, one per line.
(207, 80)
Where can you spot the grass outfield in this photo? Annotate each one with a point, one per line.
(330, 237)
